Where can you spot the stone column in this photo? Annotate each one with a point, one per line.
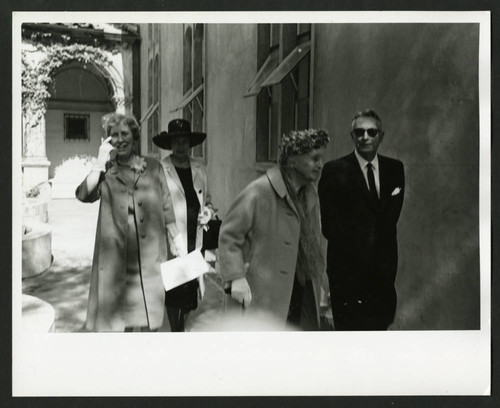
(35, 164)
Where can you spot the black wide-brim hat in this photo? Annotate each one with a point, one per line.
(178, 127)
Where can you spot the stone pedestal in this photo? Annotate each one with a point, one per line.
(36, 250)
(35, 211)
(35, 164)
(35, 171)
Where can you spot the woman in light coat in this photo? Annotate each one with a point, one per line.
(187, 183)
(135, 213)
(270, 253)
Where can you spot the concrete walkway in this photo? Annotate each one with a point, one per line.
(66, 284)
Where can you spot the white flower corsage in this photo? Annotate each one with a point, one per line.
(205, 215)
(138, 164)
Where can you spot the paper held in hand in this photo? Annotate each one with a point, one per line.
(183, 269)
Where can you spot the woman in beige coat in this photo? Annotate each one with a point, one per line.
(135, 213)
(270, 253)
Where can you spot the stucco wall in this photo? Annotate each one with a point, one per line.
(59, 149)
(230, 118)
(171, 68)
(422, 79)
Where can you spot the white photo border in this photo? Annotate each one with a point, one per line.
(235, 364)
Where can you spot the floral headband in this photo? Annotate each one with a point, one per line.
(299, 142)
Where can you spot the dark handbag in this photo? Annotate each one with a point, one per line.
(211, 236)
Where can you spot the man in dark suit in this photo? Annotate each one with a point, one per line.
(361, 196)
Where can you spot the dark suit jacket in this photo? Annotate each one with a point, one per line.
(362, 242)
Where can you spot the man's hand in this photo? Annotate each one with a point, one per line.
(240, 291)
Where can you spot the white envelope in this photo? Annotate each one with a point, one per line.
(183, 269)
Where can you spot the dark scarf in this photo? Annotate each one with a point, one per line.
(308, 265)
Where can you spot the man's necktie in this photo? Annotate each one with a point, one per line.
(371, 182)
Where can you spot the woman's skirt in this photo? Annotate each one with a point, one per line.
(184, 296)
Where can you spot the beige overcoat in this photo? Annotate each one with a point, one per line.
(153, 212)
(262, 228)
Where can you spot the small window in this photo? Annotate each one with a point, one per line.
(76, 127)
(150, 83)
(193, 103)
(153, 131)
(155, 80)
(284, 62)
(151, 119)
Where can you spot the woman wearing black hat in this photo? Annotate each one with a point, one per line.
(187, 182)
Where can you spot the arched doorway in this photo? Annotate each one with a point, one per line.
(71, 76)
(79, 96)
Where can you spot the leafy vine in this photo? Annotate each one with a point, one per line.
(37, 76)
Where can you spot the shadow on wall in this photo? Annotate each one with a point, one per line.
(423, 307)
(440, 289)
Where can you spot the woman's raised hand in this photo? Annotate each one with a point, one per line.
(104, 155)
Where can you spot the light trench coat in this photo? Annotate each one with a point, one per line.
(262, 229)
(200, 184)
(153, 212)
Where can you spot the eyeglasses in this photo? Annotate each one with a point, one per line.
(358, 132)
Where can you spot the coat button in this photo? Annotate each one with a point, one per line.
(139, 203)
(287, 243)
(284, 272)
(141, 219)
(143, 235)
(199, 192)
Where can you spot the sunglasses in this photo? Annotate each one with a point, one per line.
(358, 132)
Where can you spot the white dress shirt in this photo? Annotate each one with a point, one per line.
(375, 167)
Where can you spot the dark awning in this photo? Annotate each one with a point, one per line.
(188, 98)
(269, 65)
(288, 64)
